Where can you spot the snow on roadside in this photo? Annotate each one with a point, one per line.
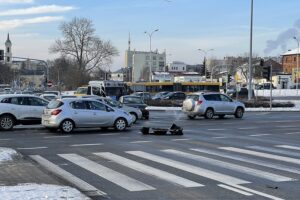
(40, 191)
(7, 154)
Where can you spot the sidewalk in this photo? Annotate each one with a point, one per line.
(21, 178)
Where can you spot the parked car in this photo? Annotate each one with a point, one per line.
(242, 94)
(69, 113)
(57, 93)
(49, 97)
(175, 96)
(144, 95)
(20, 109)
(136, 113)
(136, 102)
(211, 104)
(159, 95)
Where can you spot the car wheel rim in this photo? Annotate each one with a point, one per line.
(133, 117)
(6, 123)
(210, 114)
(120, 124)
(67, 126)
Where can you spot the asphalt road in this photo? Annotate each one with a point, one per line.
(257, 157)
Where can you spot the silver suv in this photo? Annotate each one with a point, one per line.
(211, 104)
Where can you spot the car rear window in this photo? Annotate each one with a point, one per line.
(194, 97)
(54, 104)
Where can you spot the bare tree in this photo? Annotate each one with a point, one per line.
(81, 44)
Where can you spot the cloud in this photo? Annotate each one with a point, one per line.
(37, 10)
(16, 1)
(10, 24)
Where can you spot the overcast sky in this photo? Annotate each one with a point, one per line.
(184, 26)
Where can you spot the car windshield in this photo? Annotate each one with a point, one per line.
(111, 102)
(82, 90)
(49, 98)
(51, 92)
(132, 99)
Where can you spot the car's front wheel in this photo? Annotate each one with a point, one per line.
(239, 112)
(120, 124)
(67, 126)
(7, 122)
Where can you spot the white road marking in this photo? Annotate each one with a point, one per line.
(31, 148)
(141, 141)
(189, 168)
(82, 145)
(149, 170)
(274, 150)
(286, 126)
(288, 147)
(216, 129)
(6, 139)
(180, 139)
(231, 166)
(117, 178)
(249, 160)
(235, 190)
(82, 185)
(259, 135)
(220, 137)
(58, 136)
(229, 123)
(261, 154)
(257, 192)
(247, 128)
(292, 133)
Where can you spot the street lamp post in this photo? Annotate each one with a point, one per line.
(297, 67)
(250, 56)
(205, 54)
(150, 39)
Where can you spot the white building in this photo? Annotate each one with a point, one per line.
(140, 63)
(177, 66)
(117, 75)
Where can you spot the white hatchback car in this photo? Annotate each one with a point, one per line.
(20, 109)
(211, 104)
(69, 113)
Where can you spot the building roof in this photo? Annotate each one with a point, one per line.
(8, 40)
(292, 52)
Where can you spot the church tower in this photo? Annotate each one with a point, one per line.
(8, 53)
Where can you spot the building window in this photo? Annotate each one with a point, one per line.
(154, 63)
(7, 49)
(154, 57)
(294, 59)
(147, 57)
(161, 58)
(8, 59)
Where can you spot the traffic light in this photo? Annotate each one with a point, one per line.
(229, 78)
(267, 73)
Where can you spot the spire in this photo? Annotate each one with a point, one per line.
(8, 40)
(129, 42)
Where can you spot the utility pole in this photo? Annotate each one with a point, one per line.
(150, 39)
(250, 56)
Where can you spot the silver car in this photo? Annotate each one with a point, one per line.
(136, 113)
(67, 114)
(211, 104)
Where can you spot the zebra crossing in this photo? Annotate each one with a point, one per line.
(194, 161)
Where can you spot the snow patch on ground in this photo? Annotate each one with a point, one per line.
(39, 192)
(7, 154)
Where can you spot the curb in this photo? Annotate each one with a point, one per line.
(165, 109)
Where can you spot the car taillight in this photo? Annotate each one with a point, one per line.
(56, 112)
(199, 102)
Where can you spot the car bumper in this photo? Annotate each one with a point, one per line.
(50, 121)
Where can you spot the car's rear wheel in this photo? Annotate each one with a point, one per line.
(120, 124)
(67, 126)
(134, 116)
(239, 112)
(7, 122)
(209, 114)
